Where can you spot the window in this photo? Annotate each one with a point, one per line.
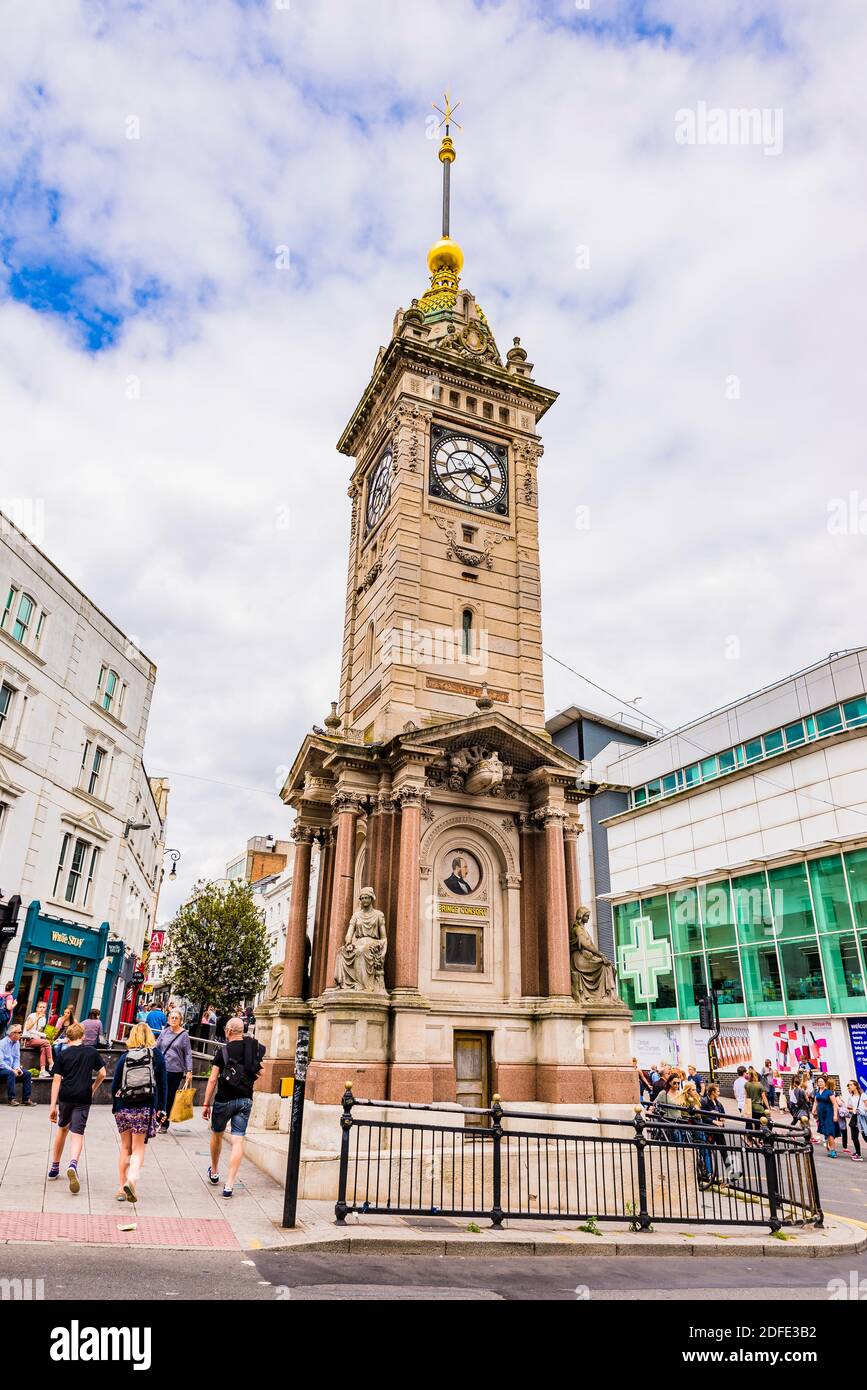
(639, 796)
(504, 414)
(670, 784)
(773, 742)
(461, 948)
(368, 648)
(487, 410)
(467, 632)
(691, 775)
(7, 696)
(795, 735)
(454, 398)
(471, 404)
(709, 769)
(654, 789)
(21, 617)
(753, 750)
(76, 871)
(828, 721)
(110, 691)
(855, 712)
(727, 760)
(92, 762)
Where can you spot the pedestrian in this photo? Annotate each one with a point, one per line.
(220, 1026)
(850, 1101)
(60, 1029)
(73, 1089)
(799, 1106)
(249, 1019)
(695, 1077)
(769, 1082)
(740, 1089)
(825, 1111)
(156, 1020)
(174, 1043)
(8, 1004)
(659, 1083)
(138, 1090)
(92, 1026)
(34, 1032)
(644, 1083)
(236, 1065)
(11, 1070)
(713, 1137)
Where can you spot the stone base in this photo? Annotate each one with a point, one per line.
(326, 1081)
(615, 1085)
(274, 1070)
(412, 1082)
(564, 1085)
(515, 1082)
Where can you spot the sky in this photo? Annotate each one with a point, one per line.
(209, 213)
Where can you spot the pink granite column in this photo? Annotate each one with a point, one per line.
(559, 982)
(296, 930)
(348, 807)
(408, 889)
(571, 831)
(529, 915)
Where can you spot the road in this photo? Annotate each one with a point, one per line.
(82, 1272)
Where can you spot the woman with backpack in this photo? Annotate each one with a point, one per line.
(174, 1043)
(138, 1092)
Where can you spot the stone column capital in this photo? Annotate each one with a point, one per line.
(353, 802)
(409, 795)
(551, 815)
(303, 834)
(572, 828)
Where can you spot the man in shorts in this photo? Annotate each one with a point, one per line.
(73, 1087)
(236, 1065)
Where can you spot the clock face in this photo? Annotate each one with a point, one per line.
(378, 490)
(470, 472)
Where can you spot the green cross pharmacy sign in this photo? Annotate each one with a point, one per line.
(643, 960)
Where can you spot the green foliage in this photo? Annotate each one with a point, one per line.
(475, 1229)
(217, 947)
(590, 1227)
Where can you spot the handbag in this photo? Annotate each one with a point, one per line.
(182, 1105)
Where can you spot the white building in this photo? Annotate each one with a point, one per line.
(740, 863)
(75, 696)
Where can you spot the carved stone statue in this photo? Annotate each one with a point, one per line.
(361, 958)
(593, 979)
(487, 774)
(274, 987)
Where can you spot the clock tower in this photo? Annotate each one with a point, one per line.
(433, 783)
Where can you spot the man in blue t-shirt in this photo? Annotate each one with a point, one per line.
(156, 1021)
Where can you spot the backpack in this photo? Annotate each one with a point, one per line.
(4, 1013)
(237, 1076)
(137, 1080)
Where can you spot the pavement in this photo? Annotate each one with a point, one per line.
(178, 1210)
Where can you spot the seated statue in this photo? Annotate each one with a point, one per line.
(361, 958)
(593, 979)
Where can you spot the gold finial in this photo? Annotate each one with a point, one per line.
(448, 113)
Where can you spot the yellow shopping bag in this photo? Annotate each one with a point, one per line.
(182, 1106)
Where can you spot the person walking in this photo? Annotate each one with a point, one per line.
(73, 1089)
(713, 1138)
(156, 1020)
(825, 1111)
(755, 1094)
(174, 1043)
(739, 1087)
(799, 1106)
(138, 1090)
(769, 1082)
(11, 1070)
(849, 1102)
(236, 1065)
(34, 1032)
(8, 1004)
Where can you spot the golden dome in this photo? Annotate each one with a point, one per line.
(445, 254)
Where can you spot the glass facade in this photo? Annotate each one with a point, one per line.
(852, 714)
(790, 940)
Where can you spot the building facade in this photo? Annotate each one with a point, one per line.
(75, 696)
(434, 781)
(739, 863)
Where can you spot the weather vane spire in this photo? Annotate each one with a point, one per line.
(445, 258)
(446, 151)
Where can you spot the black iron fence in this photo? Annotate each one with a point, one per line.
(518, 1164)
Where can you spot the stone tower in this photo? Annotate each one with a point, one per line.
(434, 781)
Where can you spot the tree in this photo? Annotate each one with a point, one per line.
(217, 949)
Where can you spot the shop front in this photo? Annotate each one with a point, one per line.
(58, 962)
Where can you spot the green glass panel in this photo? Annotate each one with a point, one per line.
(716, 914)
(802, 976)
(828, 721)
(773, 742)
(708, 768)
(790, 901)
(846, 986)
(855, 712)
(665, 1006)
(669, 784)
(639, 796)
(795, 734)
(691, 983)
(691, 775)
(753, 750)
(762, 981)
(685, 925)
(856, 872)
(830, 899)
(810, 726)
(752, 908)
(740, 756)
(624, 914)
(653, 790)
(725, 977)
(727, 760)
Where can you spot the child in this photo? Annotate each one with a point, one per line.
(72, 1090)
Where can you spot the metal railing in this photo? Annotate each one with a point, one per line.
(647, 1170)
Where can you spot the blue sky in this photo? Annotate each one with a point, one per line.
(155, 158)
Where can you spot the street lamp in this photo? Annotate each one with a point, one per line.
(175, 855)
(135, 825)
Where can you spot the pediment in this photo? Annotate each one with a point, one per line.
(516, 746)
(8, 788)
(88, 824)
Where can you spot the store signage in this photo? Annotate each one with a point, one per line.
(157, 939)
(46, 935)
(858, 1039)
(114, 948)
(643, 960)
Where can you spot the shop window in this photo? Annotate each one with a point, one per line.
(802, 976)
(844, 973)
(716, 914)
(762, 983)
(856, 872)
(725, 978)
(790, 901)
(752, 908)
(830, 899)
(685, 925)
(691, 983)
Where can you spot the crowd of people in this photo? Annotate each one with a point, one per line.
(672, 1094)
(156, 1064)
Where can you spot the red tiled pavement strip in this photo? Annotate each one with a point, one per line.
(170, 1232)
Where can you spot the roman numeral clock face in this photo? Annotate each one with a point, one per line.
(378, 491)
(469, 471)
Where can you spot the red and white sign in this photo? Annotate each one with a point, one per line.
(157, 939)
